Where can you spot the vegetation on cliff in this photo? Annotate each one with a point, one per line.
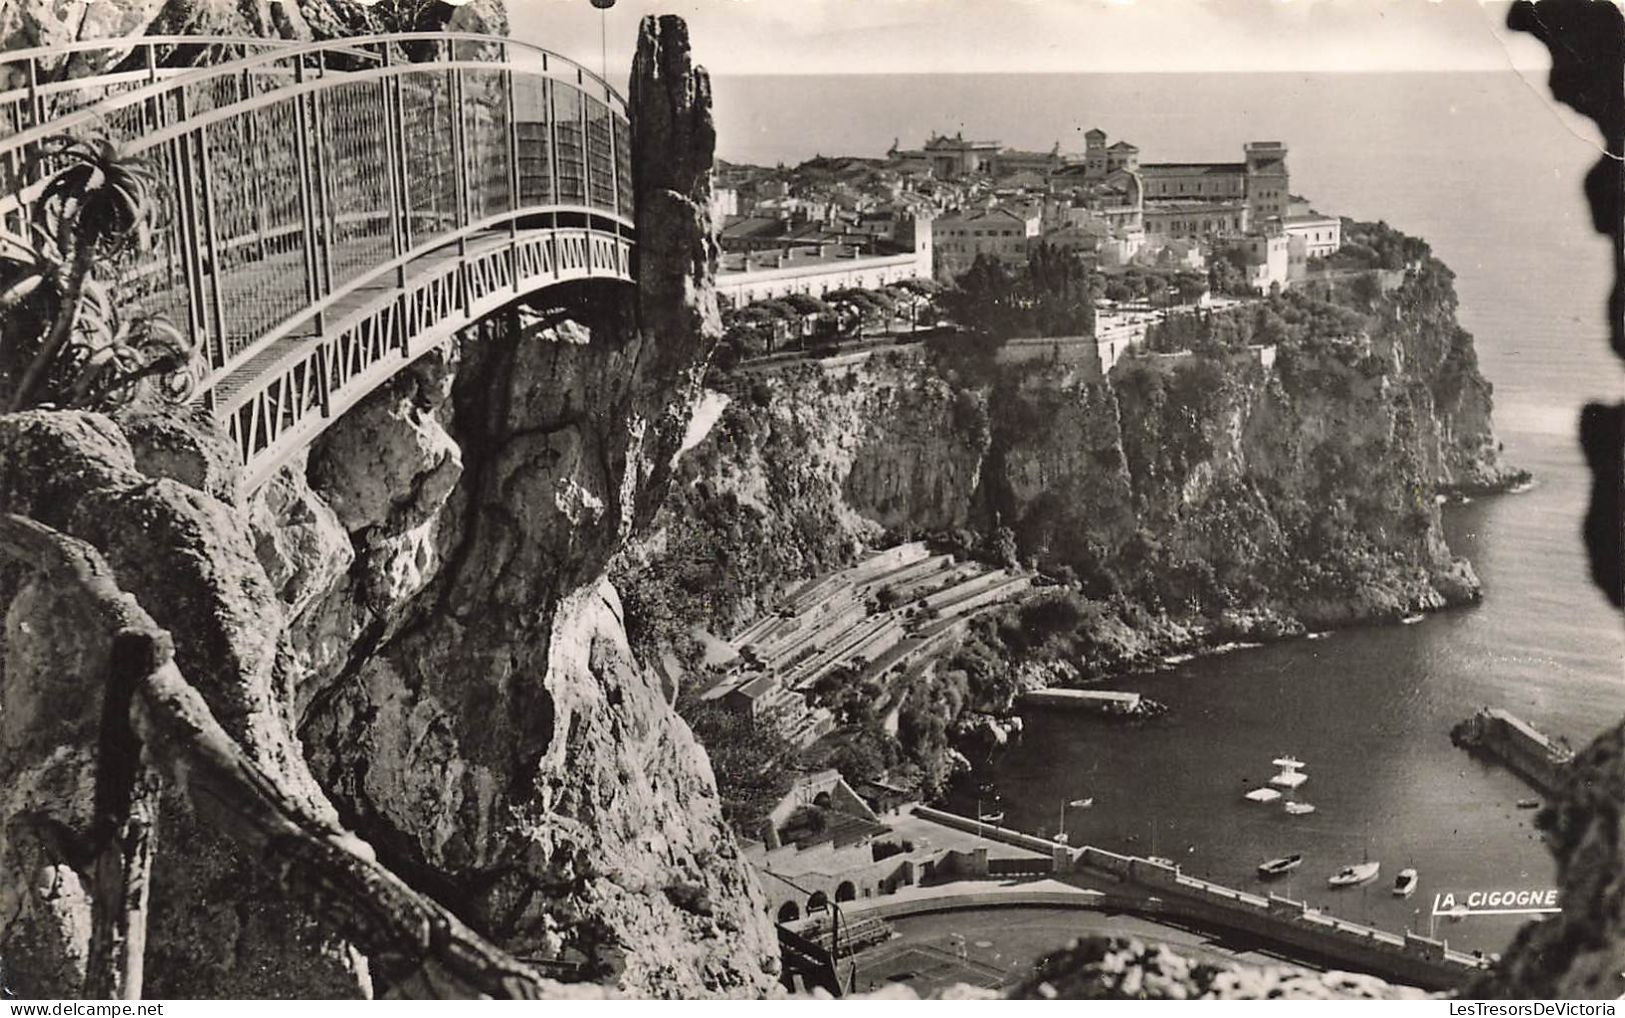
(1200, 494)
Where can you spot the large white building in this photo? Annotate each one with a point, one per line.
(960, 237)
(818, 268)
(1320, 235)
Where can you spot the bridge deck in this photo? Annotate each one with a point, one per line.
(278, 355)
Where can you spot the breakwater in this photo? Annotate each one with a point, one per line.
(1408, 958)
(1156, 889)
(1532, 755)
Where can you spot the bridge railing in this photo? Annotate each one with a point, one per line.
(44, 83)
(293, 179)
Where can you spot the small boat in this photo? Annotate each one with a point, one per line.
(1276, 867)
(1263, 795)
(1529, 804)
(1405, 883)
(1162, 860)
(992, 818)
(1299, 809)
(1348, 876)
(1411, 620)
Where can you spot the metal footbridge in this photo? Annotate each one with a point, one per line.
(328, 212)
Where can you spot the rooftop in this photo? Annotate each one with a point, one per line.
(796, 257)
(977, 215)
(759, 687)
(1153, 169)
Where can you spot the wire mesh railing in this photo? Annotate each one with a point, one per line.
(295, 179)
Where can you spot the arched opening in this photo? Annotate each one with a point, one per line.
(788, 912)
(818, 902)
(845, 891)
(822, 800)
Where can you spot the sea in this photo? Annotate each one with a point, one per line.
(1488, 171)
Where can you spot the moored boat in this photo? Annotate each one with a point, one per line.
(1348, 876)
(1529, 804)
(1405, 883)
(1299, 809)
(1276, 867)
(992, 818)
(1162, 860)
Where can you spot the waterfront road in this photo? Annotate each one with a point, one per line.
(1001, 945)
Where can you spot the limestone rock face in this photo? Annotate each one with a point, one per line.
(1299, 495)
(408, 628)
(215, 929)
(466, 692)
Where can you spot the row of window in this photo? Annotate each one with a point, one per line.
(1003, 246)
(1196, 225)
(1227, 187)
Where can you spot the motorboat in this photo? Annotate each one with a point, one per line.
(1405, 883)
(1263, 795)
(1349, 876)
(1276, 867)
(1299, 809)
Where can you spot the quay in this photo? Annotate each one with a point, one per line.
(1537, 758)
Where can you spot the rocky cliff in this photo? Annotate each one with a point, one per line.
(409, 631)
(1208, 490)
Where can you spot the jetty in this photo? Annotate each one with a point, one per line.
(1534, 756)
(1098, 701)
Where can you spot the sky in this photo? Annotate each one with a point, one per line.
(995, 36)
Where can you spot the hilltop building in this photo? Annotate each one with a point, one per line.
(951, 158)
(1010, 162)
(1004, 233)
(892, 248)
(1319, 235)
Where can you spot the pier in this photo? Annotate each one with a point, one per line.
(1098, 701)
(1537, 758)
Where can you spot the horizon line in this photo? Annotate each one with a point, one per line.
(1506, 69)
